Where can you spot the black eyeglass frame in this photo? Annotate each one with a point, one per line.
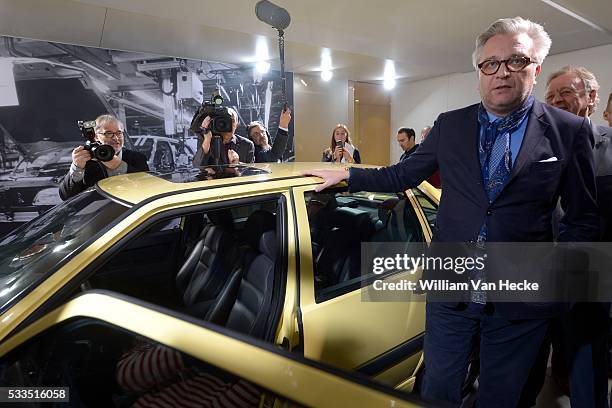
(527, 61)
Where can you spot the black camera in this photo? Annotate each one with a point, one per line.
(96, 149)
(220, 118)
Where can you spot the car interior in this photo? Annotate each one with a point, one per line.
(102, 365)
(220, 266)
(340, 222)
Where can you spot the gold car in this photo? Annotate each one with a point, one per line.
(199, 262)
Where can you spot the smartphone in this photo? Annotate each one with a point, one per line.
(340, 144)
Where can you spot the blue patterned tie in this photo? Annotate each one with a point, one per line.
(496, 166)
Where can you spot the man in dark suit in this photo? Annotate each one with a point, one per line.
(406, 139)
(234, 149)
(85, 172)
(503, 164)
(579, 338)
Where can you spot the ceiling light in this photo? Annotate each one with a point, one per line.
(356, 100)
(326, 65)
(389, 75)
(303, 82)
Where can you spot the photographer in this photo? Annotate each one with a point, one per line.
(341, 149)
(258, 133)
(234, 148)
(85, 170)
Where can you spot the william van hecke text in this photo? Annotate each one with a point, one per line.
(447, 285)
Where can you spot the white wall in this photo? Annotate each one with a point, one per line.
(318, 108)
(418, 104)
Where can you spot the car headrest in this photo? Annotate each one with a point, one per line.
(222, 218)
(217, 239)
(357, 225)
(268, 245)
(258, 223)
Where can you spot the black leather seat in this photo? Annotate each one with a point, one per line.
(245, 303)
(340, 258)
(209, 264)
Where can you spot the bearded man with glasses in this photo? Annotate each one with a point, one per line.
(504, 163)
(86, 171)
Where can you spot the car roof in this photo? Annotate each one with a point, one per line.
(134, 188)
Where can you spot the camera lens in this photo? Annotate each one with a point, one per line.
(222, 124)
(103, 153)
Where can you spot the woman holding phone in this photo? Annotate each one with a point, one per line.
(341, 148)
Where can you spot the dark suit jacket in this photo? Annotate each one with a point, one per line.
(276, 152)
(96, 171)
(603, 169)
(523, 210)
(241, 145)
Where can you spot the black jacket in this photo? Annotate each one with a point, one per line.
(407, 153)
(328, 156)
(241, 145)
(96, 171)
(275, 153)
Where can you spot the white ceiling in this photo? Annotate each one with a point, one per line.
(425, 38)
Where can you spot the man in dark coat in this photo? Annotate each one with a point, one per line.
(85, 171)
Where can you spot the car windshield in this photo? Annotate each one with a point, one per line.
(34, 251)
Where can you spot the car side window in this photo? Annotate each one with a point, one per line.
(340, 221)
(212, 264)
(99, 364)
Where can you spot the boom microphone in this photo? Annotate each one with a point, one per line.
(272, 14)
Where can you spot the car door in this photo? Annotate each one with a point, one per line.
(100, 349)
(380, 339)
(72, 266)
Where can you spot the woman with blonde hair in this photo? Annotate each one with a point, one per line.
(341, 148)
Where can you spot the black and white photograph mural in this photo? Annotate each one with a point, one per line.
(46, 87)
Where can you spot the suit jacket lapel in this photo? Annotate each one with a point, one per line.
(535, 131)
(473, 162)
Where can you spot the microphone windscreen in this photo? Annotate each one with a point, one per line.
(272, 14)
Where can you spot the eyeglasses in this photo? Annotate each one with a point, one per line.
(513, 64)
(108, 134)
(563, 93)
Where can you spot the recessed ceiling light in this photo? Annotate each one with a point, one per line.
(326, 65)
(389, 75)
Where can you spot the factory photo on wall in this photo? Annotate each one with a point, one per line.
(46, 87)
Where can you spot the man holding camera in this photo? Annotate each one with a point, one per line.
(86, 170)
(234, 148)
(258, 133)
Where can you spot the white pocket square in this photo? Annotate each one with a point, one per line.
(550, 159)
